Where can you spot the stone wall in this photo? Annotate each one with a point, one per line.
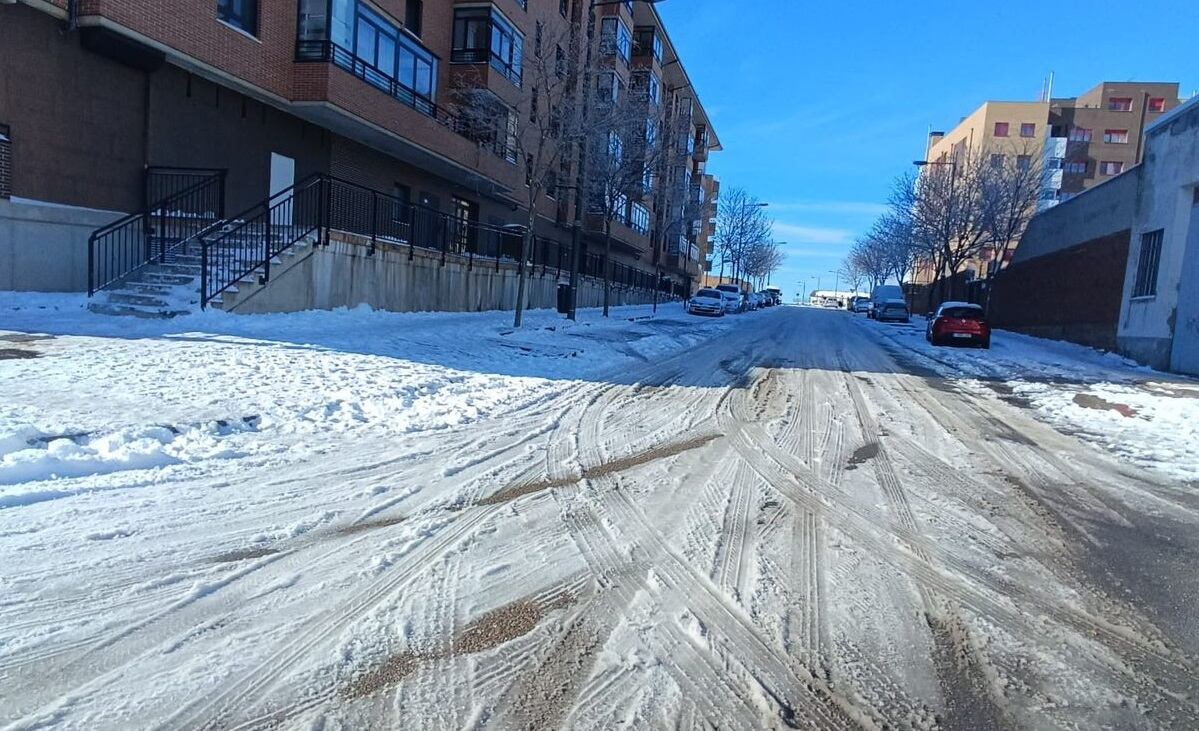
(402, 280)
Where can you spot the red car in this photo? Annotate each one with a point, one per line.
(959, 322)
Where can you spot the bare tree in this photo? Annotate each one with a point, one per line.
(762, 259)
(1012, 192)
(741, 223)
(540, 133)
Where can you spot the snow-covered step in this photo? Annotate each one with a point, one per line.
(129, 298)
(132, 310)
(168, 279)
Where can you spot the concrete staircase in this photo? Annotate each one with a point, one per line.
(159, 290)
(172, 288)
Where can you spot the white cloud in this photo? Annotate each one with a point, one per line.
(861, 208)
(798, 234)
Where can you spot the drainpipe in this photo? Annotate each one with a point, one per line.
(72, 15)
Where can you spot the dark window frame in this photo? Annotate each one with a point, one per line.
(241, 14)
(1148, 263)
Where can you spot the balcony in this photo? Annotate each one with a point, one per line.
(511, 72)
(324, 51)
(329, 52)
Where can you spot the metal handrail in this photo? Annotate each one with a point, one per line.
(235, 249)
(119, 248)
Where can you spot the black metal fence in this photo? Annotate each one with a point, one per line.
(319, 204)
(184, 203)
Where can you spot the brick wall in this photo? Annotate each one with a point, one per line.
(1072, 294)
(5, 162)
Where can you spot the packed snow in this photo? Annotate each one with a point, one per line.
(360, 519)
(1146, 417)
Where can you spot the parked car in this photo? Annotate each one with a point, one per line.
(732, 297)
(860, 305)
(891, 311)
(882, 294)
(959, 322)
(765, 300)
(706, 302)
(756, 301)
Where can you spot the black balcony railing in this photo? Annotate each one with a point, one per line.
(322, 51)
(510, 71)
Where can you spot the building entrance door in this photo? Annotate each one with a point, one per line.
(283, 177)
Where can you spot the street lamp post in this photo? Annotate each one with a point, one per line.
(836, 283)
(582, 187)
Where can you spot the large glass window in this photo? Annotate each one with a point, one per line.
(240, 13)
(617, 38)
(382, 54)
(482, 34)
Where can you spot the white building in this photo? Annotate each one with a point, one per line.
(1159, 318)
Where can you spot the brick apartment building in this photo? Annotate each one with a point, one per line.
(1079, 142)
(1101, 133)
(95, 92)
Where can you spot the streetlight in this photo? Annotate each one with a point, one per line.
(836, 283)
(582, 187)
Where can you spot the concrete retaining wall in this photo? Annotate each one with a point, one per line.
(43, 248)
(396, 279)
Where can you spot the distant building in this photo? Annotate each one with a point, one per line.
(1079, 142)
(1117, 266)
(1100, 134)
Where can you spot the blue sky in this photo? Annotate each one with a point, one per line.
(820, 105)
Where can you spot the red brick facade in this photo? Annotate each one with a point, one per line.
(202, 93)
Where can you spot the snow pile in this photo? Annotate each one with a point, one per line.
(109, 394)
(1143, 416)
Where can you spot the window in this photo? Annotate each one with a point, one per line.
(1120, 104)
(1108, 167)
(651, 132)
(646, 41)
(413, 13)
(239, 13)
(1157, 104)
(533, 102)
(482, 34)
(1001, 129)
(524, 4)
(1023, 163)
(537, 39)
(1147, 265)
(1027, 129)
(996, 161)
(617, 39)
(1080, 134)
(609, 86)
(392, 55)
(639, 218)
(1075, 167)
(1115, 136)
(615, 149)
(654, 90)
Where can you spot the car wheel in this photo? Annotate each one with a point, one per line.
(987, 344)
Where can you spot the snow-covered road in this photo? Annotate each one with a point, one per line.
(790, 518)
